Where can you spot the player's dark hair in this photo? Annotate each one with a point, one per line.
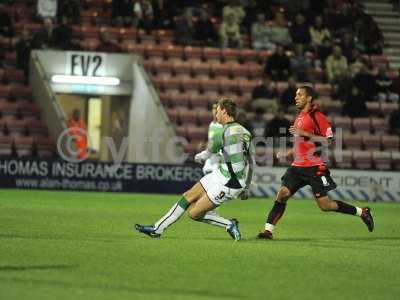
(229, 106)
(309, 91)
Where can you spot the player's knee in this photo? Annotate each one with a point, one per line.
(325, 205)
(283, 194)
(195, 215)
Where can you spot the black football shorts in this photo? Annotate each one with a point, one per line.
(318, 177)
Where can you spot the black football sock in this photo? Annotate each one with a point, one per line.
(276, 212)
(345, 208)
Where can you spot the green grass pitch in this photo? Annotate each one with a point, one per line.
(69, 245)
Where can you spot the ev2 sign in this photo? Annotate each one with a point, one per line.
(86, 64)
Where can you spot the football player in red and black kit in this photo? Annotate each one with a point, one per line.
(311, 129)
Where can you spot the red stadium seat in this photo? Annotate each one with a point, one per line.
(23, 146)
(200, 101)
(220, 70)
(248, 55)
(342, 123)
(210, 86)
(343, 159)
(395, 160)
(4, 91)
(193, 54)
(8, 108)
(239, 71)
(45, 147)
(162, 67)
(228, 86)
(173, 52)
(181, 131)
(330, 106)
(371, 142)
(188, 117)
(230, 55)
(390, 142)
(205, 117)
(147, 39)
(90, 32)
(21, 91)
(165, 99)
(362, 125)
(6, 145)
(191, 85)
(379, 126)
(254, 71)
(182, 68)
(154, 52)
(37, 128)
(387, 108)
(323, 89)
(352, 141)
(180, 100)
(362, 159)
(197, 133)
(173, 115)
(382, 160)
(16, 127)
(374, 107)
(212, 54)
(201, 70)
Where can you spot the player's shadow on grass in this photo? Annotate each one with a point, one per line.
(369, 238)
(37, 267)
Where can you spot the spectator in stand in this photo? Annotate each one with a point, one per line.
(323, 52)
(279, 126)
(260, 34)
(374, 41)
(258, 124)
(277, 65)
(394, 122)
(229, 33)
(300, 64)
(356, 62)
(23, 48)
(286, 102)
(233, 11)
(107, 45)
(253, 8)
(43, 39)
(395, 87)
(344, 86)
(298, 6)
(354, 104)
(264, 96)
(122, 11)
(336, 65)
(279, 31)
(383, 84)
(6, 28)
(62, 35)
(185, 28)
(299, 31)
(319, 32)
(47, 8)
(69, 9)
(204, 31)
(347, 44)
(143, 15)
(366, 84)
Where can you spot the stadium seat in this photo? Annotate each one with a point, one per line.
(246, 86)
(390, 142)
(379, 125)
(45, 147)
(133, 47)
(162, 67)
(343, 159)
(200, 102)
(187, 117)
(388, 107)
(212, 54)
(228, 86)
(263, 55)
(197, 133)
(90, 32)
(21, 91)
(4, 90)
(154, 52)
(164, 37)
(382, 160)
(193, 54)
(28, 109)
(239, 71)
(374, 107)
(331, 107)
(362, 125)
(14, 76)
(181, 131)
(191, 85)
(205, 117)
(201, 70)
(395, 160)
(147, 39)
(37, 129)
(16, 127)
(129, 34)
(351, 141)
(23, 145)
(210, 86)
(6, 145)
(173, 52)
(230, 55)
(342, 123)
(173, 115)
(191, 150)
(172, 84)
(248, 55)
(165, 99)
(323, 89)
(180, 100)
(220, 70)
(182, 68)
(8, 108)
(371, 142)
(362, 159)
(254, 71)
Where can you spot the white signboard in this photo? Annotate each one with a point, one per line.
(351, 184)
(86, 64)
